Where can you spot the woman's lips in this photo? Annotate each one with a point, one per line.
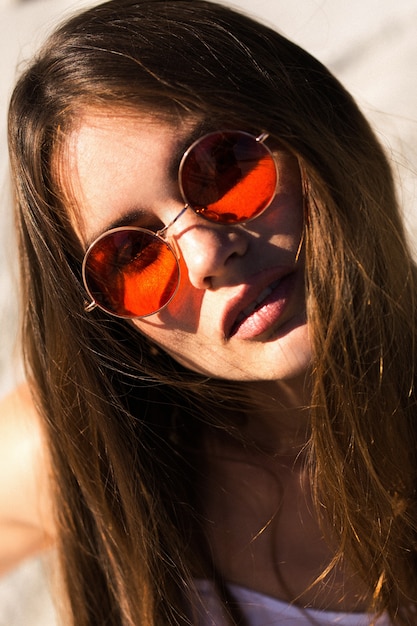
(264, 311)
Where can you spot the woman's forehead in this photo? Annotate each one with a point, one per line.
(107, 155)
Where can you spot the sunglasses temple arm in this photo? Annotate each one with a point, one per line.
(164, 230)
(89, 306)
(262, 137)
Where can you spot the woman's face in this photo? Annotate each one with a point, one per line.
(239, 312)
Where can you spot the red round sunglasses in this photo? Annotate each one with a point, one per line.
(227, 177)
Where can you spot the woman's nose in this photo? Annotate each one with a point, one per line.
(210, 250)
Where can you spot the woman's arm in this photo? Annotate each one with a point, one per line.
(26, 525)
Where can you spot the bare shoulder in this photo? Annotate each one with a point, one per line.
(25, 511)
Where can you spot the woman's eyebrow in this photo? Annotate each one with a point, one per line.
(126, 219)
(182, 145)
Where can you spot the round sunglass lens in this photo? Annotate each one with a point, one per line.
(130, 272)
(228, 177)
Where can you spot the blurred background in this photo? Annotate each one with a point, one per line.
(370, 45)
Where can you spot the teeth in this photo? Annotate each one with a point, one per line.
(254, 305)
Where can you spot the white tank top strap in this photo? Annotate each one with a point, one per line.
(262, 610)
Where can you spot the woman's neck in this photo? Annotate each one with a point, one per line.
(278, 419)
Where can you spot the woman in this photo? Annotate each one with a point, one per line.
(218, 326)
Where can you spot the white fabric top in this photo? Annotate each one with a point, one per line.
(262, 610)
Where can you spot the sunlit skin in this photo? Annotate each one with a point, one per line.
(123, 168)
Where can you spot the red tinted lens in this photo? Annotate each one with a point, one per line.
(228, 177)
(130, 272)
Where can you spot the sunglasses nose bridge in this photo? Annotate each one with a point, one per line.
(163, 231)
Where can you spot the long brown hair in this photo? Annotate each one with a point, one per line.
(123, 420)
